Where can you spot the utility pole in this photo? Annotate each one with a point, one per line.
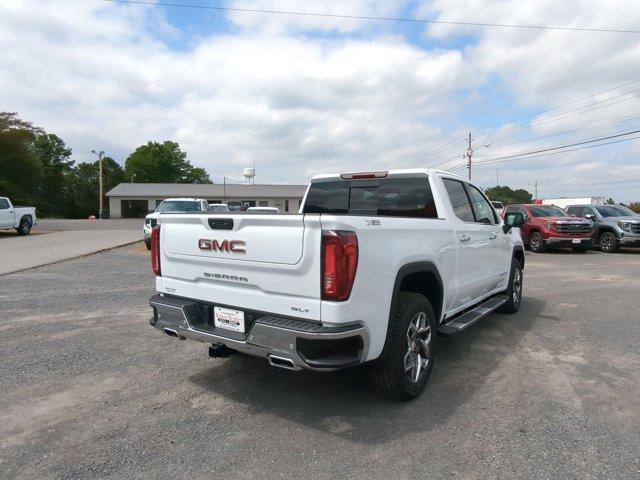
(469, 155)
(470, 151)
(100, 155)
(535, 186)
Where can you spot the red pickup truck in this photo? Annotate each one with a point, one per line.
(550, 226)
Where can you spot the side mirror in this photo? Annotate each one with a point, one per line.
(590, 216)
(511, 220)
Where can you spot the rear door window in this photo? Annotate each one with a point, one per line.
(459, 200)
(393, 197)
(482, 209)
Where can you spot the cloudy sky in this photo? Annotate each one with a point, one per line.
(303, 95)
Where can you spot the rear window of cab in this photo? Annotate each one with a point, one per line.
(394, 197)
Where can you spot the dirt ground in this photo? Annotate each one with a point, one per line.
(89, 390)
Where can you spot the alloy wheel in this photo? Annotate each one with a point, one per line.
(535, 241)
(516, 289)
(419, 334)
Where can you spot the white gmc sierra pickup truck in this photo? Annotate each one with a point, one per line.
(373, 266)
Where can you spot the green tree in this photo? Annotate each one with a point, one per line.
(635, 206)
(20, 167)
(610, 201)
(162, 163)
(508, 196)
(86, 185)
(55, 190)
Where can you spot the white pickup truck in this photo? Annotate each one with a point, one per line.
(20, 218)
(172, 205)
(370, 269)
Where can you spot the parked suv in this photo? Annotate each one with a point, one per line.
(614, 226)
(373, 267)
(550, 226)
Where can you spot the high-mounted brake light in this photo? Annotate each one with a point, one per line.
(363, 175)
(155, 250)
(339, 263)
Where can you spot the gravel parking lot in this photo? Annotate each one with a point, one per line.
(90, 390)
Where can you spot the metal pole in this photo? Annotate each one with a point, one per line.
(101, 185)
(224, 188)
(469, 154)
(100, 155)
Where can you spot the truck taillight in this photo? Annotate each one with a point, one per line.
(155, 250)
(339, 262)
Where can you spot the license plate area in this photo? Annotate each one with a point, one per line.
(229, 319)
(576, 240)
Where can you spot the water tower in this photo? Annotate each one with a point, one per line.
(249, 175)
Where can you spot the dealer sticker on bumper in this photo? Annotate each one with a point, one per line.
(576, 240)
(229, 319)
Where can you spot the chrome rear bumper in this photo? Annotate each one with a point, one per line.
(284, 342)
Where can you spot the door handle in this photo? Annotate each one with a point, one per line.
(493, 235)
(464, 237)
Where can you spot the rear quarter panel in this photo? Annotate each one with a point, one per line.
(383, 249)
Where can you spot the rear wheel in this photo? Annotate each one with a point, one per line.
(403, 369)
(536, 242)
(147, 243)
(609, 242)
(514, 288)
(25, 226)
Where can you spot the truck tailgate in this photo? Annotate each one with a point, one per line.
(269, 263)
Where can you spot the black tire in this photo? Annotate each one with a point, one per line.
(536, 242)
(147, 244)
(581, 249)
(390, 373)
(514, 288)
(608, 242)
(25, 226)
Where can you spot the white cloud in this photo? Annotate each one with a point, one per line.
(273, 23)
(301, 95)
(543, 68)
(294, 105)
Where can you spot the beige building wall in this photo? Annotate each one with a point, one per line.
(115, 203)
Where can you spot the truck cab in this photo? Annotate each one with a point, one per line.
(548, 226)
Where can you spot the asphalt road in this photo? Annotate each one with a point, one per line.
(90, 391)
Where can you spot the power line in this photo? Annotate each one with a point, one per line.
(557, 107)
(375, 18)
(449, 146)
(490, 162)
(567, 114)
(564, 146)
(574, 130)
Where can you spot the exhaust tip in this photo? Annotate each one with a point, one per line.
(281, 362)
(171, 333)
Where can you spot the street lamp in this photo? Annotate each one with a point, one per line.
(100, 155)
